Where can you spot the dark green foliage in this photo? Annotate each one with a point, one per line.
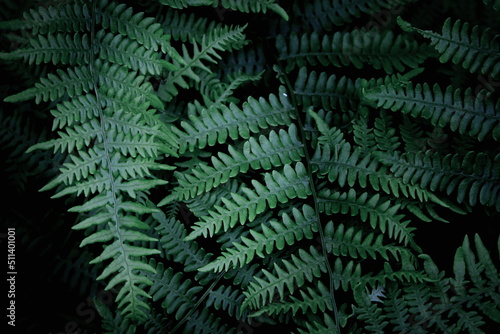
(462, 112)
(475, 50)
(382, 51)
(243, 163)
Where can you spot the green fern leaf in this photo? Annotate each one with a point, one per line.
(76, 50)
(53, 87)
(473, 177)
(218, 93)
(380, 50)
(216, 125)
(57, 49)
(226, 298)
(304, 266)
(315, 299)
(380, 213)
(463, 112)
(180, 4)
(347, 166)
(385, 133)
(177, 294)
(65, 17)
(465, 263)
(79, 80)
(118, 18)
(275, 235)
(129, 53)
(324, 91)
(397, 311)
(476, 50)
(326, 14)
(113, 323)
(268, 152)
(352, 243)
(279, 187)
(113, 16)
(130, 296)
(328, 326)
(190, 254)
(203, 322)
(363, 134)
(218, 40)
(255, 6)
(186, 27)
(371, 314)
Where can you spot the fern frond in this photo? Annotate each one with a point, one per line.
(473, 177)
(380, 50)
(268, 152)
(218, 40)
(177, 294)
(78, 80)
(476, 50)
(246, 60)
(348, 166)
(353, 243)
(76, 50)
(315, 299)
(217, 94)
(412, 135)
(274, 235)
(67, 17)
(301, 268)
(113, 16)
(125, 257)
(462, 111)
(329, 136)
(118, 18)
(226, 298)
(113, 323)
(112, 152)
(58, 49)
(255, 6)
(186, 28)
(328, 326)
(242, 240)
(216, 125)
(74, 82)
(363, 134)
(180, 4)
(202, 204)
(279, 187)
(397, 311)
(379, 212)
(189, 254)
(371, 314)
(326, 91)
(385, 134)
(124, 51)
(483, 274)
(439, 306)
(204, 322)
(326, 14)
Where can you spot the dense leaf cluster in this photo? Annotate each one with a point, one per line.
(246, 163)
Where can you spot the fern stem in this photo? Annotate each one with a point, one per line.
(313, 191)
(105, 144)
